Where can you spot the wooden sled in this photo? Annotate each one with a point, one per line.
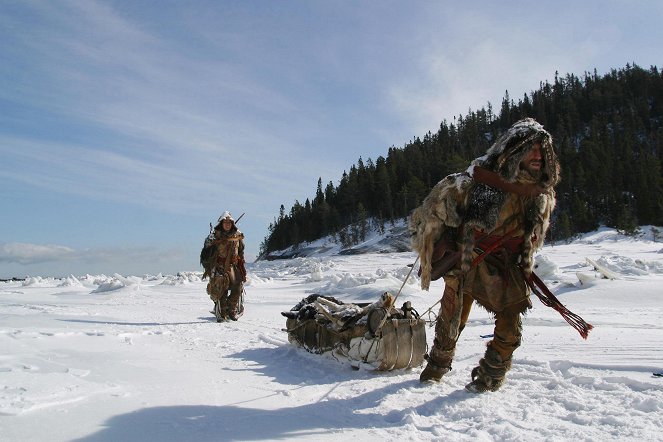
(378, 335)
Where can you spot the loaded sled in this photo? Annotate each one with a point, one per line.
(378, 334)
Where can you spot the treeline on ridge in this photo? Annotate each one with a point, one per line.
(608, 133)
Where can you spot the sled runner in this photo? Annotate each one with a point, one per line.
(605, 272)
(378, 334)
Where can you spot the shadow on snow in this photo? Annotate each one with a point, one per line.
(288, 366)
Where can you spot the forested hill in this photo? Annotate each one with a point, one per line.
(608, 133)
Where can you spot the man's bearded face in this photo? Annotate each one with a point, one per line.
(533, 161)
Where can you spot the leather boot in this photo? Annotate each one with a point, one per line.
(439, 364)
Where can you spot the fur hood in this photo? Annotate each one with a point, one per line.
(459, 200)
(505, 155)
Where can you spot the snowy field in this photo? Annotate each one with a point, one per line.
(109, 358)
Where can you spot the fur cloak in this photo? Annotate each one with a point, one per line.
(458, 200)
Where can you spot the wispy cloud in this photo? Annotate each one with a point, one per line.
(469, 55)
(165, 128)
(51, 259)
(23, 253)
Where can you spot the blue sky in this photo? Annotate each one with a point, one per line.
(126, 127)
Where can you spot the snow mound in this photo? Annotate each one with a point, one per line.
(116, 282)
(545, 268)
(109, 286)
(182, 278)
(38, 281)
(629, 266)
(71, 281)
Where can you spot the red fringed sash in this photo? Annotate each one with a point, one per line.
(549, 300)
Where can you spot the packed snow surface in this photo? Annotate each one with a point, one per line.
(113, 358)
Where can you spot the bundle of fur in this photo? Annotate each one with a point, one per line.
(335, 312)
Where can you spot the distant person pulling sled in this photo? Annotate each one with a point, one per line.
(222, 257)
(479, 230)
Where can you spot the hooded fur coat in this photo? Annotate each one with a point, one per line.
(458, 200)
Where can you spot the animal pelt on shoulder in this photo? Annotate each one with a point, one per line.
(209, 252)
(208, 255)
(458, 200)
(442, 209)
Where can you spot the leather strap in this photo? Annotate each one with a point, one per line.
(494, 180)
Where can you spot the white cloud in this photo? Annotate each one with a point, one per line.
(54, 260)
(470, 55)
(25, 253)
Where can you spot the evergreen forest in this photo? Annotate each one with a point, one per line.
(608, 134)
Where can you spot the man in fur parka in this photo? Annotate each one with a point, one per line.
(225, 266)
(493, 217)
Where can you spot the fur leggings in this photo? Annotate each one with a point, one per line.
(226, 289)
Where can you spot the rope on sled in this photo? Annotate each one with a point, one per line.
(432, 316)
(379, 328)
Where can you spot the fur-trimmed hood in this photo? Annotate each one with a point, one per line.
(506, 153)
(459, 200)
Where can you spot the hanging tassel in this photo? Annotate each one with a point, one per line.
(549, 300)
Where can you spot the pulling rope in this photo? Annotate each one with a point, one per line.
(430, 312)
(379, 328)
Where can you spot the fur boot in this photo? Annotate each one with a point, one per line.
(490, 374)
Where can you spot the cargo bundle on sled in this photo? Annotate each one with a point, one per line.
(377, 334)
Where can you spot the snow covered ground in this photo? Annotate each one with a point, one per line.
(112, 358)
